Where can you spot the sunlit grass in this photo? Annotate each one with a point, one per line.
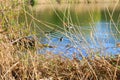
(18, 62)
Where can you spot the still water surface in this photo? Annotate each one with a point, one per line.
(79, 29)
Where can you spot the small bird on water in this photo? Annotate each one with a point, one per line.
(61, 39)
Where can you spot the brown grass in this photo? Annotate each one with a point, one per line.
(19, 63)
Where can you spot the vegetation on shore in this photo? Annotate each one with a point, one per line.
(20, 63)
(74, 1)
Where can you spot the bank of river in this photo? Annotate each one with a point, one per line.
(78, 28)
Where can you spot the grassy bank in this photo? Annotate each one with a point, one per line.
(19, 65)
(18, 62)
(54, 67)
(74, 1)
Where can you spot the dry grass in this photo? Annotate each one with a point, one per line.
(26, 64)
(18, 65)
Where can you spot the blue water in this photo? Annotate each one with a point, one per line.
(102, 40)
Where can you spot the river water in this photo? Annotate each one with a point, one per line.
(79, 29)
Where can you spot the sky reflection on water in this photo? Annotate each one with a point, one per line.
(100, 41)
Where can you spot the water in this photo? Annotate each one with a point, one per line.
(79, 29)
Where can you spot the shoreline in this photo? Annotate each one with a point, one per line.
(76, 1)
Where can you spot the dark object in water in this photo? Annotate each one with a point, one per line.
(61, 39)
(46, 45)
(118, 44)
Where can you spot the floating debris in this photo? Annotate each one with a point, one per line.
(46, 45)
